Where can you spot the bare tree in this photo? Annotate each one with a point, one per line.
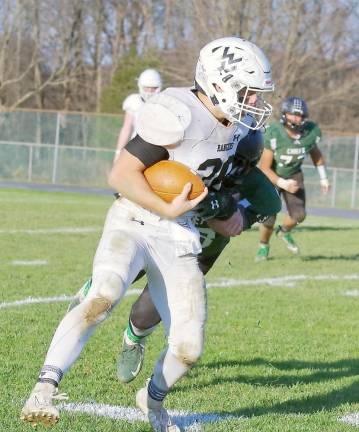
(62, 54)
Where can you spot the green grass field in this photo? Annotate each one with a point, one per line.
(281, 354)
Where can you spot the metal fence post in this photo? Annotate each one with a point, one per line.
(56, 150)
(355, 172)
(334, 187)
(29, 167)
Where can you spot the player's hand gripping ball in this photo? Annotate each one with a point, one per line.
(167, 179)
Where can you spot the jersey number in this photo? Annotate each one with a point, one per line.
(207, 236)
(286, 159)
(219, 171)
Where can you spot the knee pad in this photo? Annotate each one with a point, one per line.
(187, 343)
(105, 291)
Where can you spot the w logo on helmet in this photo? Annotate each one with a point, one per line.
(230, 56)
(228, 60)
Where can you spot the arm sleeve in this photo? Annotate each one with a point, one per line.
(147, 153)
(250, 216)
(259, 199)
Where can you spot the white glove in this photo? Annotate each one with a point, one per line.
(289, 185)
(324, 185)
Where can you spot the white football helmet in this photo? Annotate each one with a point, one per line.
(149, 79)
(227, 70)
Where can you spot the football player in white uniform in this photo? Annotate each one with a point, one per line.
(149, 83)
(201, 128)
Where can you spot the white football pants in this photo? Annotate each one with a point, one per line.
(134, 239)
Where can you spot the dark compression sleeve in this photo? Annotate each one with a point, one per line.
(147, 153)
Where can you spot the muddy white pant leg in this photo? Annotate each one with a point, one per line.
(118, 260)
(180, 297)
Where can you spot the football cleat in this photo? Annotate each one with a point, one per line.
(262, 253)
(155, 413)
(39, 408)
(130, 360)
(288, 240)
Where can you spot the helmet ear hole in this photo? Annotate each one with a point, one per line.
(217, 88)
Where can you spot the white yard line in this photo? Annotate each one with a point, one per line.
(55, 202)
(191, 422)
(287, 281)
(65, 230)
(352, 419)
(57, 299)
(352, 293)
(29, 263)
(36, 300)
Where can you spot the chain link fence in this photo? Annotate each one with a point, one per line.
(78, 149)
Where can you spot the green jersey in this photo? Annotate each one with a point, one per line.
(258, 200)
(289, 153)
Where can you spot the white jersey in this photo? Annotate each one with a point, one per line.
(208, 146)
(132, 105)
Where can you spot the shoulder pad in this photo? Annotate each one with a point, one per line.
(205, 124)
(163, 119)
(312, 130)
(132, 103)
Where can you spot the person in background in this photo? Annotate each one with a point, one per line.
(149, 83)
(286, 143)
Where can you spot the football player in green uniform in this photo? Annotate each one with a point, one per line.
(285, 146)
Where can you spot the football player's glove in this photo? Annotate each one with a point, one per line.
(220, 205)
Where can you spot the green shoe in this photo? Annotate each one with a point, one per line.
(130, 360)
(262, 253)
(288, 240)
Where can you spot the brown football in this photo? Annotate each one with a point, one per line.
(167, 179)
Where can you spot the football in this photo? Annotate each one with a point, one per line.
(167, 179)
